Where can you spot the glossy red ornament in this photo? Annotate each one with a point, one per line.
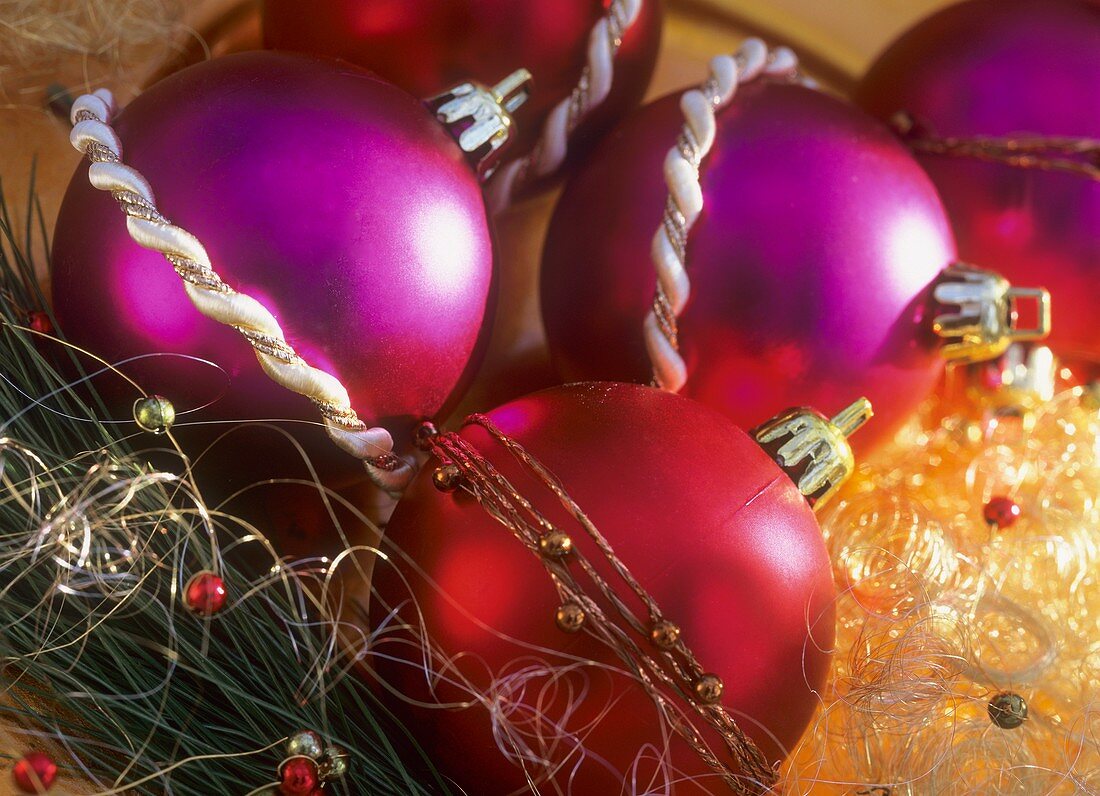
(35, 772)
(332, 197)
(1001, 512)
(205, 593)
(1009, 68)
(811, 265)
(426, 46)
(706, 521)
(298, 777)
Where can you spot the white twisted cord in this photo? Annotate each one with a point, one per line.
(685, 195)
(93, 136)
(591, 90)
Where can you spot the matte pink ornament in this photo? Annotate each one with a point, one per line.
(1018, 69)
(709, 525)
(811, 266)
(331, 196)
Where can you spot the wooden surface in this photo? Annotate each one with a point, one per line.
(837, 38)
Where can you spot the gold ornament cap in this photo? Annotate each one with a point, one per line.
(980, 318)
(480, 118)
(814, 450)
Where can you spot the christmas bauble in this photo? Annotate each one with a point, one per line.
(708, 525)
(1009, 69)
(427, 45)
(331, 197)
(812, 266)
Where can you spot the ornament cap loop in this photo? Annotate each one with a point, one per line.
(480, 118)
(813, 450)
(984, 320)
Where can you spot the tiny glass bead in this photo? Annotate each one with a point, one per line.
(335, 765)
(35, 772)
(708, 688)
(447, 478)
(298, 777)
(425, 433)
(154, 414)
(555, 545)
(1001, 512)
(40, 322)
(205, 593)
(305, 743)
(665, 634)
(570, 617)
(1007, 710)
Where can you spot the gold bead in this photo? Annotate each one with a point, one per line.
(447, 478)
(665, 634)
(1008, 710)
(304, 743)
(555, 544)
(708, 688)
(424, 435)
(154, 413)
(570, 617)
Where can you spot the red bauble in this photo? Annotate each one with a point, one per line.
(205, 593)
(811, 265)
(332, 197)
(425, 46)
(35, 772)
(1001, 512)
(298, 777)
(709, 525)
(1018, 69)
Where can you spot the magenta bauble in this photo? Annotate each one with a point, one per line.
(332, 197)
(426, 46)
(709, 525)
(811, 266)
(1009, 68)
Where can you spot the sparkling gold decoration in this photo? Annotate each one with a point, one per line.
(334, 764)
(967, 658)
(818, 447)
(570, 617)
(982, 322)
(556, 544)
(154, 414)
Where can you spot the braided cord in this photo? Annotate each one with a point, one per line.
(593, 87)
(685, 196)
(93, 136)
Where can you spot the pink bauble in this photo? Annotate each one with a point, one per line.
(332, 197)
(1010, 68)
(426, 46)
(709, 525)
(811, 266)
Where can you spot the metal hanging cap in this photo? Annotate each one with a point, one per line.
(984, 320)
(480, 118)
(814, 450)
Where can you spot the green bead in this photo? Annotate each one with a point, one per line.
(305, 743)
(154, 413)
(1007, 710)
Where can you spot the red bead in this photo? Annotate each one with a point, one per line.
(205, 593)
(34, 773)
(1001, 511)
(299, 777)
(40, 322)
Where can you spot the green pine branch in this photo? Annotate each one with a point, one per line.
(97, 652)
